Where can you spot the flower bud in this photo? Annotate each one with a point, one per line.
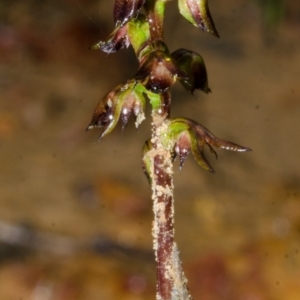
(126, 10)
(193, 65)
(197, 13)
(120, 102)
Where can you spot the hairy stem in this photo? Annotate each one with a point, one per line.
(162, 179)
(171, 282)
(163, 208)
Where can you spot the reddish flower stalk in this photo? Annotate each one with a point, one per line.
(163, 208)
(165, 249)
(163, 226)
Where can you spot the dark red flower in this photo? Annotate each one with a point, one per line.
(157, 71)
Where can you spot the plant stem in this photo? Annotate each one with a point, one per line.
(163, 208)
(171, 282)
(162, 179)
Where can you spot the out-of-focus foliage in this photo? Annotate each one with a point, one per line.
(273, 12)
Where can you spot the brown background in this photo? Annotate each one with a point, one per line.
(75, 214)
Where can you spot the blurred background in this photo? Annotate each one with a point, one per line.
(75, 214)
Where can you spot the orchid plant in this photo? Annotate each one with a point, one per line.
(139, 23)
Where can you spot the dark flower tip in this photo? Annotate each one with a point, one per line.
(126, 10)
(116, 41)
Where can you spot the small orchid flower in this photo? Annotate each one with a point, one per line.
(193, 65)
(119, 103)
(189, 136)
(134, 32)
(197, 13)
(158, 71)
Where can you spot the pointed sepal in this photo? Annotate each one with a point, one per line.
(117, 40)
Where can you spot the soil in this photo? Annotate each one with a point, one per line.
(75, 217)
